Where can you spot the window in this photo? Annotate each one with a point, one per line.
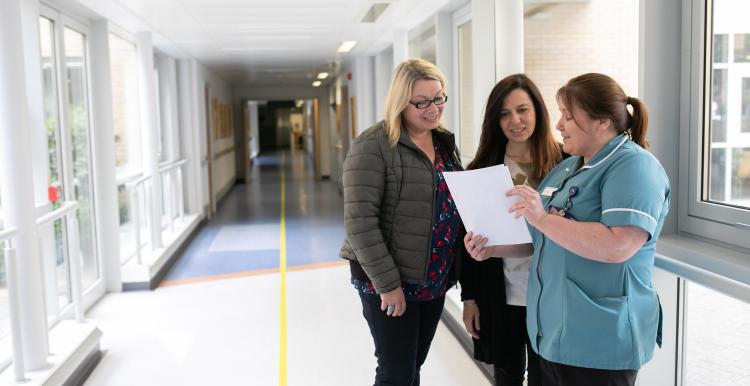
(422, 46)
(718, 201)
(125, 109)
(566, 39)
(63, 49)
(126, 118)
(716, 338)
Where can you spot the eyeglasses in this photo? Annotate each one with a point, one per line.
(565, 211)
(423, 104)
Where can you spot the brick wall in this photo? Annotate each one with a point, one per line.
(565, 40)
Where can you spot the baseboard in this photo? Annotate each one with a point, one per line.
(457, 329)
(82, 373)
(147, 278)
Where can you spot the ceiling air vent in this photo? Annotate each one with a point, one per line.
(374, 12)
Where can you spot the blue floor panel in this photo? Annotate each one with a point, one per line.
(313, 215)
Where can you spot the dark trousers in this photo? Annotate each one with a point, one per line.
(555, 374)
(511, 373)
(401, 343)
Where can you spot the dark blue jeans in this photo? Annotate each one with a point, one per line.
(401, 343)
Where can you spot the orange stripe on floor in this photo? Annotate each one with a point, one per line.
(236, 275)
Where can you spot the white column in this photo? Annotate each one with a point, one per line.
(484, 57)
(383, 73)
(17, 187)
(364, 80)
(150, 130)
(508, 38)
(32, 59)
(108, 222)
(400, 46)
(189, 126)
(170, 118)
(444, 60)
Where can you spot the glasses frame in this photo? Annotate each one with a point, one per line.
(429, 102)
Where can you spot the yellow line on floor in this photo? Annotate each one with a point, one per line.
(282, 272)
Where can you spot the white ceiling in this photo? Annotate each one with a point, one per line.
(265, 41)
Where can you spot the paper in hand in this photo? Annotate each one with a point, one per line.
(481, 201)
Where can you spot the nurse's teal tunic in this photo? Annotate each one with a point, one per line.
(586, 313)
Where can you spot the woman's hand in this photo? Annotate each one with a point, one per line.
(529, 206)
(476, 246)
(471, 318)
(393, 302)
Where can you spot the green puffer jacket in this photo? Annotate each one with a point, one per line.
(389, 194)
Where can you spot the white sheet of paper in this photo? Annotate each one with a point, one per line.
(481, 201)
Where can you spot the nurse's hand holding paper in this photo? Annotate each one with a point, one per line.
(483, 206)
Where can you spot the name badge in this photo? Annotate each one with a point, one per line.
(548, 191)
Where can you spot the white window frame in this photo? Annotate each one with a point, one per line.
(717, 222)
(62, 19)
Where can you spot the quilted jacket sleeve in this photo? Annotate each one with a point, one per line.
(364, 185)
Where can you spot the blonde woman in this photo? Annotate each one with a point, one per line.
(403, 231)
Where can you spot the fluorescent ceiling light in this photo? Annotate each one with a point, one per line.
(317, 83)
(322, 75)
(346, 46)
(374, 12)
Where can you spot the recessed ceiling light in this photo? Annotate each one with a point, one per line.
(346, 46)
(374, 12)
(317, 83)
(322, 75)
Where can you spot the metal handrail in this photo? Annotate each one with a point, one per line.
(57, 214)
(122, 180)
(7, 234)
(137, 182)
(175, 189)
(171, 165)
(723, 284)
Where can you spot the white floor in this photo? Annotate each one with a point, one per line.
(227, 333)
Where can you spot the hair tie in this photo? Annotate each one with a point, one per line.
(629, 100)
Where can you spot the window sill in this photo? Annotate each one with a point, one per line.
(720, 268)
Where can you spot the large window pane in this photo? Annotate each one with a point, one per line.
(126, 114)
(726, 180)
(125, 111)
(50, 106)
(79, 131)
(717, 340)
(567, 39)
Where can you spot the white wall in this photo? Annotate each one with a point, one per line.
(285, 93)
(224, 167)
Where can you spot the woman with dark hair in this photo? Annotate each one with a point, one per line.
(515, 132)
(593, 313)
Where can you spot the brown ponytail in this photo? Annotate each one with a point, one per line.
(601, 97)
(638, 122)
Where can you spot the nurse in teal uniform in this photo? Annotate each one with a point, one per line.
(593, 314)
